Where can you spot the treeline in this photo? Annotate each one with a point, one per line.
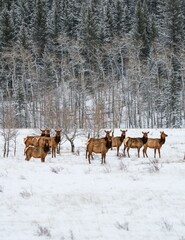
(92, 63)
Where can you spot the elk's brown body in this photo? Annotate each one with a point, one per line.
(99, 145)
(155, 143)
(135, 143)
(39, 151)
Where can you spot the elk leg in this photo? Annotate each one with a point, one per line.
(89, 155)
(159, 152)
(154, 152)
(138, 150)
(128, 152)
(58, 149)
(53, 152)
(103, 158)
(124, 151)
(144, 152)
(117, 151)
(42, 159)
(86, 154)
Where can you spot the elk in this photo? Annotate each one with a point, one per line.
(107, 135)
(39, 151)
(99, 145)
(155, 143)
(117, 141)
(55, 141)
(135, 143)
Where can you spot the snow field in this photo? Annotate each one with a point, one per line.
(66, 198)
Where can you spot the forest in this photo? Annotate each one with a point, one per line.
(92, 64)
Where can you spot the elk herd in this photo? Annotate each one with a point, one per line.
(39, 146)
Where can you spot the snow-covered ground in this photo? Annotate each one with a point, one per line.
(66, 198)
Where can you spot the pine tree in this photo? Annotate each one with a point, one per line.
(175, 24)
(119, 19)
(7, 30)
(175, 19)
(127, 20)
(145, 31)
(109, 22)
(40, 27)
(71, 17)
(90, 32)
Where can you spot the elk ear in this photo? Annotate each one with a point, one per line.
(142, 132)
(148, 132)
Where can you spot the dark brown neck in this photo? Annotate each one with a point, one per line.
(57, 139)
(144, 139)
(122, 138)
(162, 140)
(46, 148)
(108, 144)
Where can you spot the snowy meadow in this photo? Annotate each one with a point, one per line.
(65, 198)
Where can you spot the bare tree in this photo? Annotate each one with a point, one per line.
(70, 136)
(8, 131)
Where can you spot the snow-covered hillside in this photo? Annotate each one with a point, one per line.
(68, 199)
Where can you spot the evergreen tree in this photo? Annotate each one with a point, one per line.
(175, 19)
(175, 23)
(119, 19)
(17, 19)
(6, 30)
(71, 17)
(141, 29)
(90, 30)
(175, 93)
(127, 20)
(40, 27)
(23, 37)
(109, 22)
